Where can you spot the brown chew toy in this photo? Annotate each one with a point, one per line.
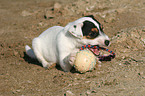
(85, 61)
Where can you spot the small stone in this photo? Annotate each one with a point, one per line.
(88, 92)
(15, 53)
(29, 81)
(26, 13)
(110, 19)
(143, 77)
(48, 15)
(57, 6)
(40, 24)
(18, 90)
(69, 93)
(87, 81)
(120, 10)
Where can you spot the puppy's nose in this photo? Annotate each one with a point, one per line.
(107, 42)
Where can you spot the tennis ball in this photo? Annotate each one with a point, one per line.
(85, 61)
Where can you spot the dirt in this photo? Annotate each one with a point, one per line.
(22, 20)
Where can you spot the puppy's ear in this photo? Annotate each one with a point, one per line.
(76, 30)
(90, 16)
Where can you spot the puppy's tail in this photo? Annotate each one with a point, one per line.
(30, 52)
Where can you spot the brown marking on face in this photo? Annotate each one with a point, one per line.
(85, 37)
(94, 30)
(92, 34)
(90, 30)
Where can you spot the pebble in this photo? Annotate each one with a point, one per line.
(48, 15)
(15, 53)
(120, 64)
(40, 24)
(88, 92)
(26, 13)
(69, 93)
(120, 10)
(29, 81)
(18, 90)
(57, 6)
(87, 81)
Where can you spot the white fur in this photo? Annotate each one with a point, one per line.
(60, 44)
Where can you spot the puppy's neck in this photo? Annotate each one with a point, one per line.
(74, 41)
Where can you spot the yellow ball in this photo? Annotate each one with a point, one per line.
(85, 61)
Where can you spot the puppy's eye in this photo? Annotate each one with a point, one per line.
(75, 26)
(94, 33)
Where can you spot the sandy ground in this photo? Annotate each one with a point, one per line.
(22, 20)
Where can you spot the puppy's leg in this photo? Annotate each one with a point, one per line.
(68, 61)
(72, 57)
(41, 59)
(36, 47)
(64, 65)
(63, 61)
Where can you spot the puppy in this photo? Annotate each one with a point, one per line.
(60, 44)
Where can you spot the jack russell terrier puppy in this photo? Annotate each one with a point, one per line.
(59, 45)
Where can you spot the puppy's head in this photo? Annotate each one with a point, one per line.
(89, 31)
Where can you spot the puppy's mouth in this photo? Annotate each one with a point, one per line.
(95, 51)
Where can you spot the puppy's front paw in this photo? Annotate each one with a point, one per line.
(72, 59)
(49, 65)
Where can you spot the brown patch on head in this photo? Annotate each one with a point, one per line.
(92, 34)
(95, 30)
(90, 30)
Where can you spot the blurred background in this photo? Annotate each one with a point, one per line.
(22, 20)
